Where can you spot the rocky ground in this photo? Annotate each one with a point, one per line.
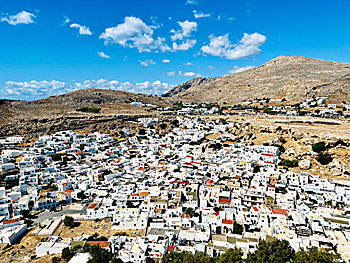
(60, 112)
(298, 136)
(295, 78)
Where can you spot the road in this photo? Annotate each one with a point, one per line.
(47, 214)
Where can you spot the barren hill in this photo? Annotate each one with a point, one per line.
(295, 78)
(60, 112)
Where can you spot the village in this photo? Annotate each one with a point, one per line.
(182, 185)
(312, 107)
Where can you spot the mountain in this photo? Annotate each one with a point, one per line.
(60, 112)
(295, 78)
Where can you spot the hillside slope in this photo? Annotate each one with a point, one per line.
(295, 78)
(60, 112)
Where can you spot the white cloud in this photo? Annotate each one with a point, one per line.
(156, 87)
(189, 74)
(42, 89)
(183, 34)
(211, 67)
(134, 33)
(222, 47)
(166, 60)
(171, 73)
(22, 17)
(188, 64)
(66, 20)
(33, 89)
(237, 69)
(224, 16)
(198, 14)
(186, 45)
(147, 62)
(191, 2)
(187, 28)
(103, 55)
(83, 30)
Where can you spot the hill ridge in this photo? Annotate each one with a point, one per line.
(293, 77)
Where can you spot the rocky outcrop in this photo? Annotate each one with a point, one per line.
(295, 78)
(304, 164)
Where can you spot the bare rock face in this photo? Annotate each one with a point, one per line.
(295, 78)
(304, 164)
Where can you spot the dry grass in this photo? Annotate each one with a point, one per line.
(89, 227)
(22, 251)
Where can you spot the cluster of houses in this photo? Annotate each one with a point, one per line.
(186, 188)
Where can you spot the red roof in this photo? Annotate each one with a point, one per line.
(270, 162)
(69, 192)
(267, 154)
(217, 213)
(99, 243)
(10, 221)
(224, 200)
(170, 248)
(210, 181)
(64, 183)
(14, 200)
(92, 206)
(255, 209)
(278, 211)
(272, 186)
(226, 221)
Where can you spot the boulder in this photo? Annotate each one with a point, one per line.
(304, 164)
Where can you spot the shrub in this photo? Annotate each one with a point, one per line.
(280, 147)
(319, 147)
(289, 163)
(56, 260)
(324, 158)
(69, 221)
(282, 140)
(163, 126)
(88, 109)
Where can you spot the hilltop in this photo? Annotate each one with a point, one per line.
(60, 112)
(294, 78)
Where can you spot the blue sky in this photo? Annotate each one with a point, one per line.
(52, 47)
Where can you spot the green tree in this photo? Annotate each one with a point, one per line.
(81, 195)
(232, 255)
(289, 163)
(99, 255)
(324, 158)
(313, 255)
(282, 140)
(277, 251)
(188, 257)
(142, 131)
(69, 221)
(56, 260)
(319, 147)
(149, 260)
(66, 254)
(237, 228)
(163, 126)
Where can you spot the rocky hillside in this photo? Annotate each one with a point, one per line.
(294, 78)
(60, 112)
